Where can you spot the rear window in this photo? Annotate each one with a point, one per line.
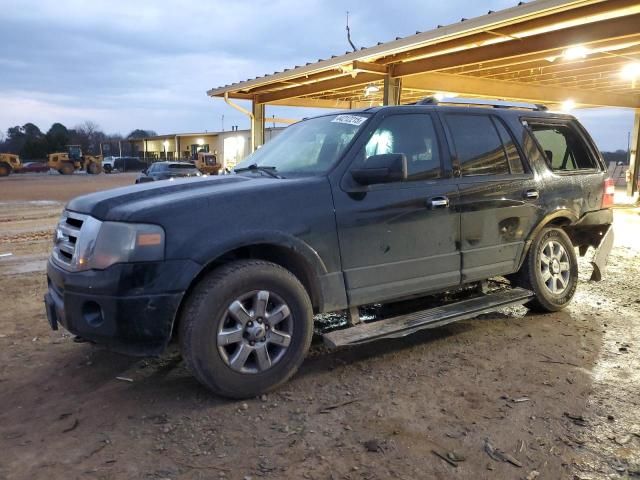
(478, 146)
(564, 150)
(181, 166)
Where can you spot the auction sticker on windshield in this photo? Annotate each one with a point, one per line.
(350, 119)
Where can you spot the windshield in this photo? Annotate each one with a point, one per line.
(309, 147)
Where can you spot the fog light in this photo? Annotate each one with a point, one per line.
(92, 314)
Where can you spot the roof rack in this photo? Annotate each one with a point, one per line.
(475, 102)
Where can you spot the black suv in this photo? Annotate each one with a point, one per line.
(337, 212)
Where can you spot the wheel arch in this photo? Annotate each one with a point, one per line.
(561, 218)
(290, 253)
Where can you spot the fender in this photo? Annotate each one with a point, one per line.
(259, 237)
(563, 214)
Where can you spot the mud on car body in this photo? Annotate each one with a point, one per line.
(339, 211)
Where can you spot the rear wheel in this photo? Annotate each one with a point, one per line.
(5, 170)
(67, 168)
(246, 328)
(107, 168)
(550, 271)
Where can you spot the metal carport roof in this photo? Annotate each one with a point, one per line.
(544, 51)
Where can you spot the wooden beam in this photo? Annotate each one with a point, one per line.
(536, 59)
(550, 41)
(319, 103)
(360, 66)
(460, 84)
(344, 81)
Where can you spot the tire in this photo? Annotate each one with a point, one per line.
(5, 170)
(67, 168)
(223, 336)
(550, 270)
(93, 168)
(107, 168)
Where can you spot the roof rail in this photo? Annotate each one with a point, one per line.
(477, 102)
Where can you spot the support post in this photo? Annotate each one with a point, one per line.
(634, 161)
(257, 127)
(392, 89)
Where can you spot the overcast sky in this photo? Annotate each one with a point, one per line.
(148, 64)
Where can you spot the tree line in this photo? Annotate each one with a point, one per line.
(31, 143)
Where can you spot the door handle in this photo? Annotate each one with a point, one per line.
(531, 194)
(438, 202)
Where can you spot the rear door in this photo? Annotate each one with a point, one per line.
(577, 173)
(399, 239)
(498, 195)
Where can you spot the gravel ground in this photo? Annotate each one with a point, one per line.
(510, 395)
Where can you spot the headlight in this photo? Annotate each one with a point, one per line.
(84, 243)
(126, 242)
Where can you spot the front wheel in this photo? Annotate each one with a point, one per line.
(5, 170)
(67, 168)
(246, 328)
(550, 271)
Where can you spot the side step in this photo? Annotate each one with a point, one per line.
(434, 317)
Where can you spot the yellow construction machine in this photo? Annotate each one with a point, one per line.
(208, 163)
(73, 160)
(9, 163)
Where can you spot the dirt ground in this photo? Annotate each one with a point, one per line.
(555, 395)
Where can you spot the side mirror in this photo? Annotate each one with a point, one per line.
(144, 172)
(386, 168)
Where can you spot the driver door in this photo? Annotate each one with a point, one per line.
(400, 239)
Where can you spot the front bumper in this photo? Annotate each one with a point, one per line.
(129, 308)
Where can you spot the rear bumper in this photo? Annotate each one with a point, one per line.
(128, 308)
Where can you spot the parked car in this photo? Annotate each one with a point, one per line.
(168, 171)
(33, 167)
(339, 211)
(129, 164)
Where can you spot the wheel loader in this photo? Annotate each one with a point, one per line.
(208, 163)
(73, 160)
(9, 163)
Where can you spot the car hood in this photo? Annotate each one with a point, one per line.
(142, 201)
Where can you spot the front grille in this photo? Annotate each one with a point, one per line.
(67, 235)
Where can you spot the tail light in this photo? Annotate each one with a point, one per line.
(608, 193)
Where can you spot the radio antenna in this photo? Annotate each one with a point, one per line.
(349, 34)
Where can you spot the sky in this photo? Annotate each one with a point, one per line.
(148, 64)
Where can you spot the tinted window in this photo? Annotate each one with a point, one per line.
(563, 148)
(513, 156)
(181, 166)
(413, 135)
(477, 144)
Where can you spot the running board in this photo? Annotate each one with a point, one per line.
(431, 318)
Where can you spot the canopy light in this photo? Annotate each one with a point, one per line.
(440, 96)
(370, 89)
(576, 53)
(200, 141)
(567, 106)
(631, 71)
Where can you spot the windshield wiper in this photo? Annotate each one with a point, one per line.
(254, 167)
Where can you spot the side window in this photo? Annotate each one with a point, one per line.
(477, 144)
(513, 156)
(563, 148)
(411, 134)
